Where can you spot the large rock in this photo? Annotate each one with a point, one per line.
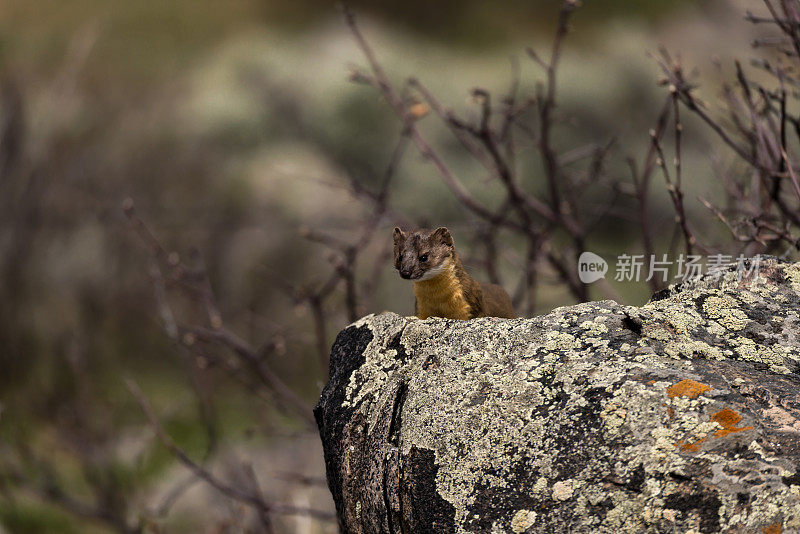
(682, 415)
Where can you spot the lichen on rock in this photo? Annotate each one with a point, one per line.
(682, 414)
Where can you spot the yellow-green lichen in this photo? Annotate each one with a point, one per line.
(691, 348)
(793, 274)
(561, 341)
(658, 333)
(748, 350)
(594, 327)
(540, 486)
(725, 310)
(522, 521)
(683, 322)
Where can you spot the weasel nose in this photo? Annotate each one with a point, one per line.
(405, 274)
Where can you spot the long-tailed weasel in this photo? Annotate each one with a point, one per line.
(441, 285)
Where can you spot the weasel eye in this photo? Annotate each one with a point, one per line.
(423, 258)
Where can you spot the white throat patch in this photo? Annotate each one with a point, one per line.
(433, 273)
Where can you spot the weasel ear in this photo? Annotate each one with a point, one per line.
(398, 234)
(442, 235)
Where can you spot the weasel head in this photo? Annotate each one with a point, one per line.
(422, 254)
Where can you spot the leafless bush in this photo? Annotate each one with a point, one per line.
(758, 125)
(552, 225)
(555, 224)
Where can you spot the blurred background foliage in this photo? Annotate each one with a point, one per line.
(232, 125)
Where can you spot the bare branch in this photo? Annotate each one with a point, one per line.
(251, 499)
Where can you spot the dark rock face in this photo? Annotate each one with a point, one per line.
(679, 416)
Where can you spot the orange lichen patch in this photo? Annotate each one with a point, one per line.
(670, 412)
(687, 388)
(692, 447)
(774, 528)
(727, 419)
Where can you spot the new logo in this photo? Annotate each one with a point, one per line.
(591, 267)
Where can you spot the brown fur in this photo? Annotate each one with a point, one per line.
(441, 285)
